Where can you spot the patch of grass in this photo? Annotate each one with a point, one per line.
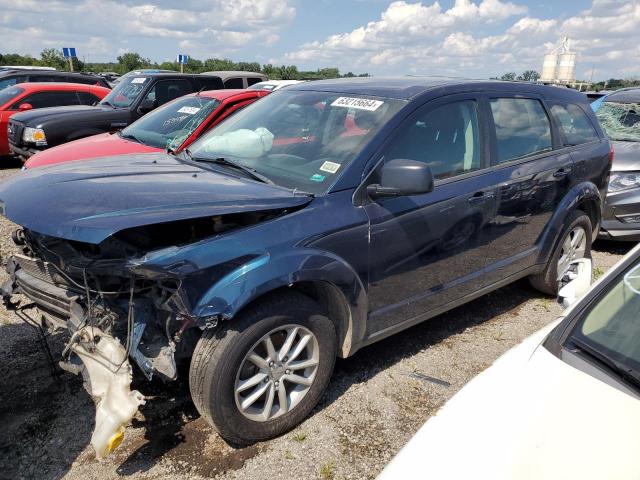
(597, 272)
(545, 303)
(499, 336)
(288, 455)
(300, 437)
(328, 471)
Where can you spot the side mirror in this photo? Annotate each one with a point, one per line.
(579, 276)
(24, 107)
(146, 105)
(402, 177)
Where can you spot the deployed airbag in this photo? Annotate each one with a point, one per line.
(241, 143)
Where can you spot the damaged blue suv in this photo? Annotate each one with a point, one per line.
(316, 221)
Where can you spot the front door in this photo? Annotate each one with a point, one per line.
(428, 250)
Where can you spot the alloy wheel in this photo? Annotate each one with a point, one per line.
(573, 248)
(276, 373)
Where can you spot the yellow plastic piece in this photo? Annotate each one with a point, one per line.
(115, 440)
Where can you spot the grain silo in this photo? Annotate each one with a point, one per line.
(567, 67)
(549, 67)
(559, 65)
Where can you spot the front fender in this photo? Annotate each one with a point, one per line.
(577, 195)
(266, 272)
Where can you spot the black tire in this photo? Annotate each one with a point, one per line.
(546, 281)
(219, 354)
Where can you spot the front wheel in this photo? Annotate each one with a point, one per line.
(263, 373)
(575, 243)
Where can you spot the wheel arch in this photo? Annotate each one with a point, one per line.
(584, 196)
(324, 277)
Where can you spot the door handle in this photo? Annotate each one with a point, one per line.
(561, 173)
(480, 197)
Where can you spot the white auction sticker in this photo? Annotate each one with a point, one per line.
(358, 103)
(330, 167)
(189, 110)
(139, 80)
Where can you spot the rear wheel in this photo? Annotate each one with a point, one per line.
(263, 373)
(575, 243)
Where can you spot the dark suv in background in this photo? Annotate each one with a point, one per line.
(619, 116)
(132, 97)
(320, 219)
(10, 77)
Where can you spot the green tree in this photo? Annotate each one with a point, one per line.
(215, 64)
(16, 59)
(193, 66)
(168, 66)
(131, 61)
(529, 76)
(508, 76)
(248, 66)
(51, 57)
(289, 72)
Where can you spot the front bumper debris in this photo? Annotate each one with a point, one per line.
(107, 374)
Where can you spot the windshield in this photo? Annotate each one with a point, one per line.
(170, 125)
(298, 139)
(263, 86)
(9, 94)
(621, 121)
(612, 327)
(126, 92)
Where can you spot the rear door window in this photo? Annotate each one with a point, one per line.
(575, 127)
(87, 98)
(522, 128)
(166, 90)
(49, 99)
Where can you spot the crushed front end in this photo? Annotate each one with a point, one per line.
(114, 312)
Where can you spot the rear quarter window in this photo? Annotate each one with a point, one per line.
(253, 80)
(522, 128)
(575, 126)
(234, 83)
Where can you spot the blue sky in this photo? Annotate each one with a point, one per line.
(478, 38)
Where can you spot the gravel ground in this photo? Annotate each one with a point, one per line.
(376, 400)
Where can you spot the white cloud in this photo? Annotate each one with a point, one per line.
(480, 39)
(206, 27)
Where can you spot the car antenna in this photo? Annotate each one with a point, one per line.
(201, 89)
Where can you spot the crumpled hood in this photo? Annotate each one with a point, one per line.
(627, 156)
(89, 201)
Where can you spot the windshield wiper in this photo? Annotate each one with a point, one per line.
(623, 371)
(104, 102)
(251, 172)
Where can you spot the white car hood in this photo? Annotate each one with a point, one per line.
(529, 416)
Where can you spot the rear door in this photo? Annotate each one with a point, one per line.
(531, 179)
(578, 134)
(429, 250)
